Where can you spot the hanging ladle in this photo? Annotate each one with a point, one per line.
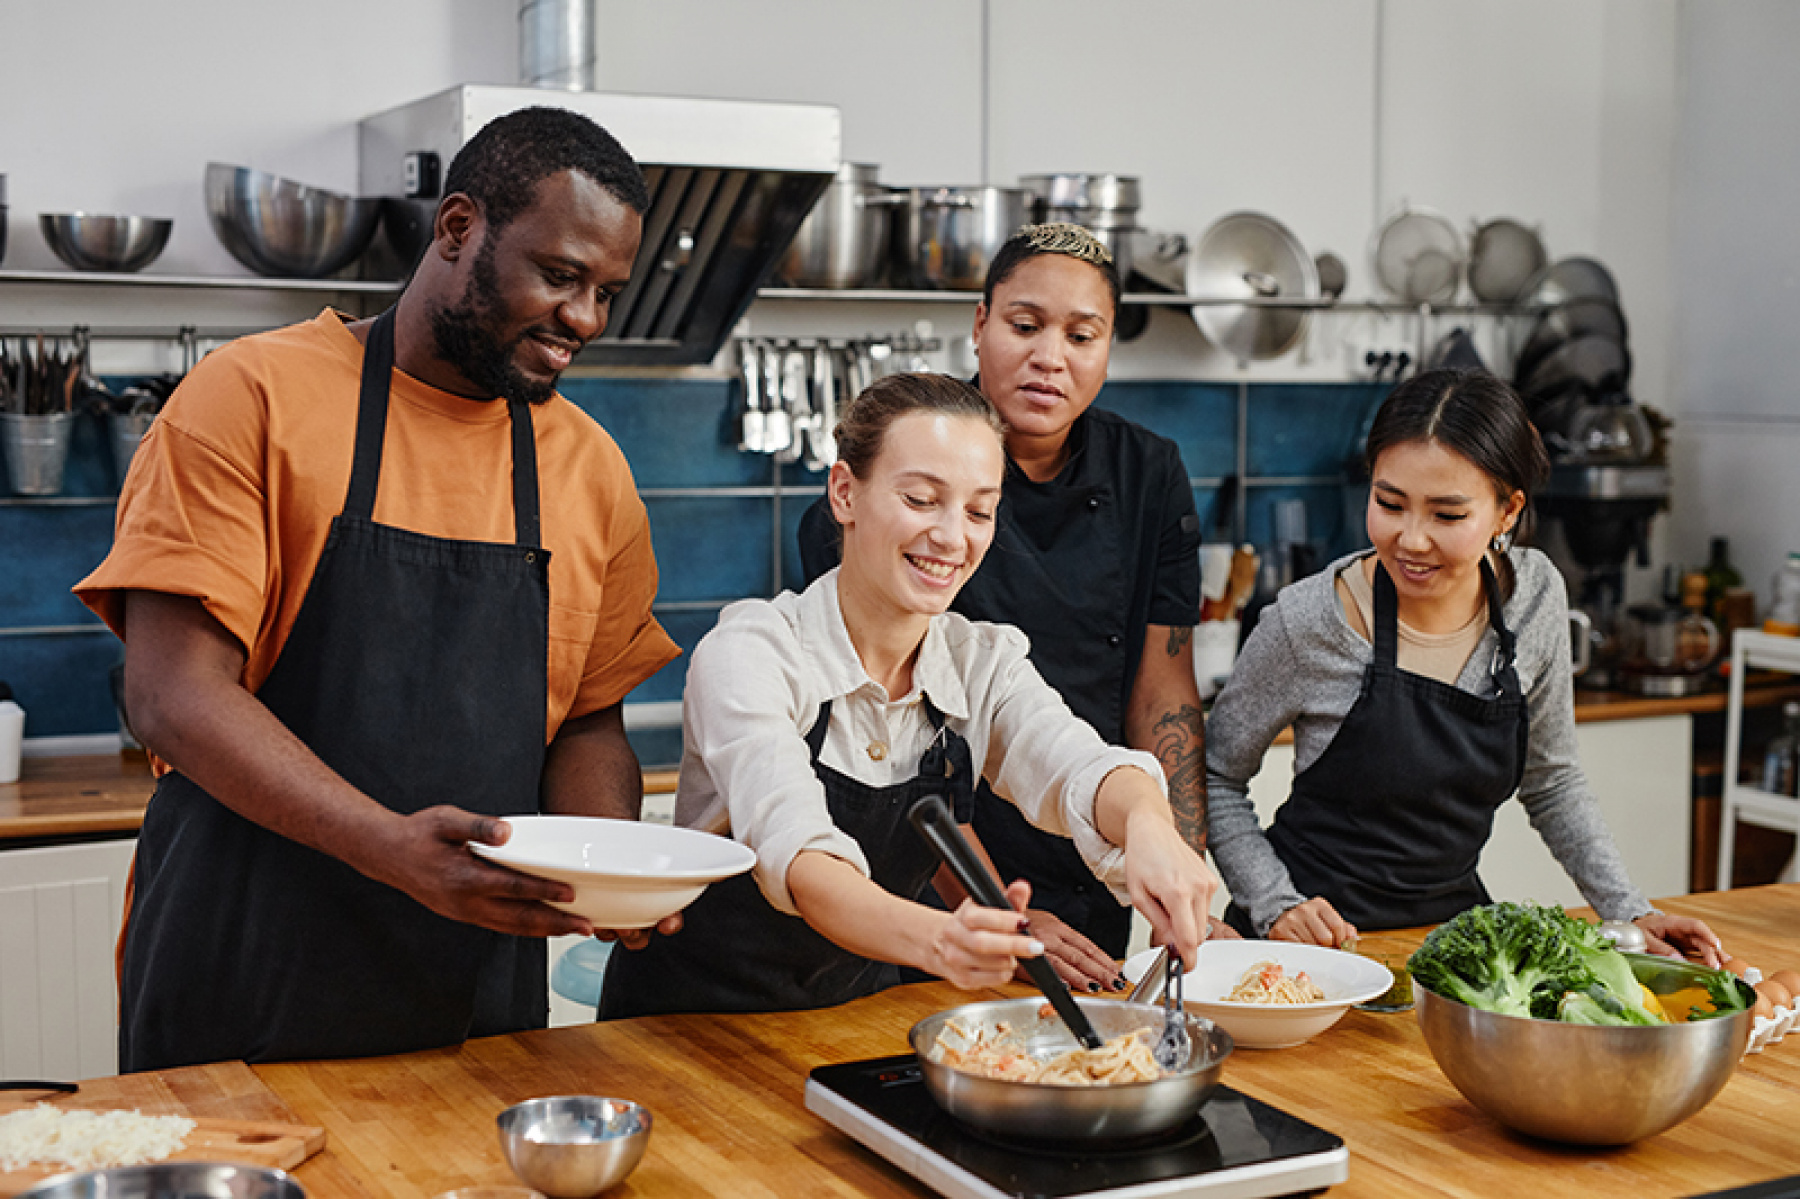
(938, 827)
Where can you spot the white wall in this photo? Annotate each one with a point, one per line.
(1736, 285)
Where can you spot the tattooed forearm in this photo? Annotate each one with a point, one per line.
(1178, 638)
(1179, 743)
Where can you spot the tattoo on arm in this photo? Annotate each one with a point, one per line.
(1179, 743)
(1178, 637)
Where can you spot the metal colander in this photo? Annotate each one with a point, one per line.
(1419, 257)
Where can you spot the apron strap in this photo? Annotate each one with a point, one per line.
(371, 418)
(1387, 619)
(524, 475)
(1505, 655)
(815, 736)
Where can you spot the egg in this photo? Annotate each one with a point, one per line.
(1762, 1007)
(1775, 993)
(1789, 979)
(1737, 966)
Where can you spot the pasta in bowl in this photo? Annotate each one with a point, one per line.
(1254, 989)
(1010, 1066)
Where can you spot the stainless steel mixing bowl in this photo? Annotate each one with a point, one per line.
(285, 229)
(93, 242)
(1038, 1110)
(574, 1146)
(1580, 1083)
(171, 1180)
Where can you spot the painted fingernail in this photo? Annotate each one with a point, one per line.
(1037, 949)
(1119, 983)
(1024, 926)
(1092, 985)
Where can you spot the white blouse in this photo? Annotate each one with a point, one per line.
(755, 687)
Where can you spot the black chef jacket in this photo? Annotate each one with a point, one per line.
(1082, 564)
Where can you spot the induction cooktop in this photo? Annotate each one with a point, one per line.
(1236, 1147)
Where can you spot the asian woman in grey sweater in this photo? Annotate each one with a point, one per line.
(1426, 682)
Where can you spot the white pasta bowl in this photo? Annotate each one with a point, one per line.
(626, 874)
(1345, 978)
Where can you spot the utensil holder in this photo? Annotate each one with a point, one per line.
(125, 430)
(36, 448)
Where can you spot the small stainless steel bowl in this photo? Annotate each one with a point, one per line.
(1581, 1083)
(285, 229)
(1026, 1109)
(574, 1146)
(171, 1180)
(93, 242)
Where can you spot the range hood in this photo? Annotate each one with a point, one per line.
(730, 182)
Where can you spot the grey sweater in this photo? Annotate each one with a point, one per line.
(1303, 666)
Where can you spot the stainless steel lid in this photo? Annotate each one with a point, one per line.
(1251, 255)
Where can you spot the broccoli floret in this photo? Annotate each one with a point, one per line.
(1504, 957)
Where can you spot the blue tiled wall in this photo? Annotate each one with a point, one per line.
(711, 548)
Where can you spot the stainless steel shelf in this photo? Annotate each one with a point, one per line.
(241, 282)
(1160, 299)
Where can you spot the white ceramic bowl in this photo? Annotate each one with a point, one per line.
(626, 874)
(1345, 978)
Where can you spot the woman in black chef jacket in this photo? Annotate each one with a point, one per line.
(813, 723)
(1095, 559)
(1426, 682)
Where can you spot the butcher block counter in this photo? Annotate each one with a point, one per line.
(726, 1093)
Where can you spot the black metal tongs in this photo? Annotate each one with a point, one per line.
(937, 826)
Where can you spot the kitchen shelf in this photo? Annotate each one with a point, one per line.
(1156, 299)
(241, 282)
(1751, 649)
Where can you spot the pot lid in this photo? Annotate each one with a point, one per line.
(1572, 279)
(1251, 255)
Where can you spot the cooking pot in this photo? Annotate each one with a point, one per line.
(1254, 256)
(1026, 1109)
(946, 236)
(1105, 205)
(843, 241)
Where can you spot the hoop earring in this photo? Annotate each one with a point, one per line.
(1501, 542)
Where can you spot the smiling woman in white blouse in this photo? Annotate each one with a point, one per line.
(813, 722)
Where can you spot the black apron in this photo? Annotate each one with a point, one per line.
(416, 669)
(736, 953)
(1389, 823)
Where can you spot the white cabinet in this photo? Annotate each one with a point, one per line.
(1752, 805)
(60, 912)
(1641, 771)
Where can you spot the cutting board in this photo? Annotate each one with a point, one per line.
(243, 1142)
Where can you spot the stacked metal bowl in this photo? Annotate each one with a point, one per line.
(285, 229)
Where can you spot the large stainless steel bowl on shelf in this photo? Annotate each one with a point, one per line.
(91, 241)
(1256, 257)
(1038, 1110)
(946, 236)
(843, 242)
(285, 229)
(1581, 1083)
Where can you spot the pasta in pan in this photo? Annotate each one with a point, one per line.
(997, 1053)
(1268, 982)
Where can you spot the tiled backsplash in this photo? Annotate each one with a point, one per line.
(714, 514)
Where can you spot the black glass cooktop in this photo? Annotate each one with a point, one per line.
(1235, 1144)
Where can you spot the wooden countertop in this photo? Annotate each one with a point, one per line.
(727, 1095)
(101, 795)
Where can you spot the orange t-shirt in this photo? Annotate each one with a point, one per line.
(232, 493)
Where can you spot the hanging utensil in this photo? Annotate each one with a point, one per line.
(778, 430)
(938, 827)
(1419, 257)
(794, 400)
(750, 425)
(821, 445)
(1257, 257)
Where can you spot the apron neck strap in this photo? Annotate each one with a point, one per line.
(371, 430)
(1387, 617)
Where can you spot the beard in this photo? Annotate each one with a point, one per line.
(464, 333)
